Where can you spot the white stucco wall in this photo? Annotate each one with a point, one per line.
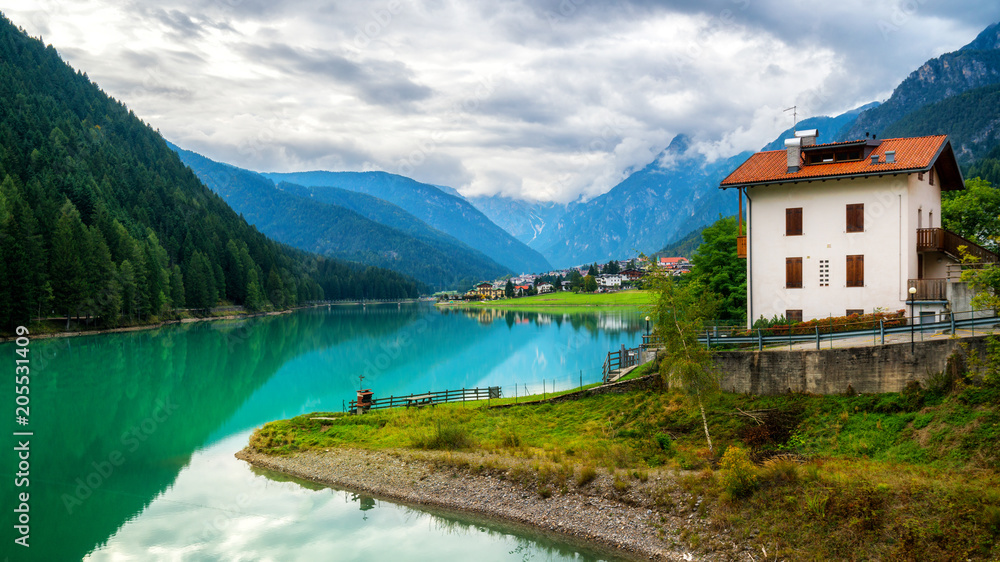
(888, 244)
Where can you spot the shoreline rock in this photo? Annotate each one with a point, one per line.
(626, 523)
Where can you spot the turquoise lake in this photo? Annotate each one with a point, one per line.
(133, 434)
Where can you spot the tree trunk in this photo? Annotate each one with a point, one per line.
(704, 422)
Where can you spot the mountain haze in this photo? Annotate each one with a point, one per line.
(288, 213)
(450, 214)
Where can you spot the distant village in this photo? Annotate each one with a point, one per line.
(616, 275)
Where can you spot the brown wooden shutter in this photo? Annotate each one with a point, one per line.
(793, 273)
(793, 221)
(855, 271)
(856, 217)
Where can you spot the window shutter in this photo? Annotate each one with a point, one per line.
(793, 221)
(793, 273)
(856, 217)
(855, 271)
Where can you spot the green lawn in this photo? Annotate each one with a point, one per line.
(898, 476)
(567, 301)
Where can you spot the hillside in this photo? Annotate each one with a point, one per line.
(665, 200)
(349, 226)
(450, 214)
(971, 119)
(525, 220)
(975, 65)
(103, 222)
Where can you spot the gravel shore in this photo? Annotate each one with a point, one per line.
(627, 520)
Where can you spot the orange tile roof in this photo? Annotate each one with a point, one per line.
(916, 153)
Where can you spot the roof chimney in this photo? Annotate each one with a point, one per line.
(890, 156)
(794, 149)
(808, 136)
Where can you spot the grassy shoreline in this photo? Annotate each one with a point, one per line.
(891, 476)
(563, 302)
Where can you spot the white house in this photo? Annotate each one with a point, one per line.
(841, 228)
(609, 280)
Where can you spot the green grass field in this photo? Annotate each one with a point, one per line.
(895, 476)
(566, 302)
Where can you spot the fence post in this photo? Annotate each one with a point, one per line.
(789, 337)
(951, 317)
(817, 338)
(760, 340)
(881, 329)
(709, 335)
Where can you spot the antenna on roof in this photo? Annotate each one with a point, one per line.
(795, 115)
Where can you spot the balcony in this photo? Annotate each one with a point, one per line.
(941, 240)
(929, 289)
(741, 246)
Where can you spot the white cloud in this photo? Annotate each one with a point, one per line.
(549, 100)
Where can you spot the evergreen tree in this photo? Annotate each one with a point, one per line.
(69, 282)
(177, 287)
(201, 293)
(508, 289)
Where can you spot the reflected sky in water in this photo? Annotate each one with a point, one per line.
(134, 433)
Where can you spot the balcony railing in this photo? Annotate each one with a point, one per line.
(941, 240)
(741, 246)
(929, 289)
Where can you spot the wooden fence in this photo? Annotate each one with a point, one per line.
(426, 399)
(617, 360)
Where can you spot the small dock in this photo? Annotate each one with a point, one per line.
(620, 363)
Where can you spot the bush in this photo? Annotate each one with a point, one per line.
(666, 444)
(739, 475)
(780, 327)
(587, 475)
(449, 436)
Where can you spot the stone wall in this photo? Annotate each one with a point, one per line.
(874, 369)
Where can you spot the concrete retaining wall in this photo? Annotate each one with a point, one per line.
(829, 371)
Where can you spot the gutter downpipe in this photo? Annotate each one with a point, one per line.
(749, 260)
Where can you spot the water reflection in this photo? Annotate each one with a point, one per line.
(125, 425)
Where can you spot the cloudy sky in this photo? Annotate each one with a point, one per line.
(543, 99)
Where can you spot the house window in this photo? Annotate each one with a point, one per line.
(856, 271)
(858, 311)
(793, 316)
(824, 273)
(856, 217)
(793, 222)
(793, 273)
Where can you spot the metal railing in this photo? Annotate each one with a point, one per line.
(764, 337)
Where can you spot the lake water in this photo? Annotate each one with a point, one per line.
(133, 434)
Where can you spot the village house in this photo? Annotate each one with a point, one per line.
(609, 280)
(545, 288)
(850, 227)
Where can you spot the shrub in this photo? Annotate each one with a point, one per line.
(587, 475)
(666, 444)
(448, 436)
(739, 475)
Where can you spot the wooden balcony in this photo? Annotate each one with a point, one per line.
(941, 240)
(741, 246)
(929, 289)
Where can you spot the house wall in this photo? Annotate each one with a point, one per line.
(888, 243)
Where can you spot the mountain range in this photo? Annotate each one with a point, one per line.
(345, 224)
(450, 214)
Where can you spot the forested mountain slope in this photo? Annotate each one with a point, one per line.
(100, 219)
